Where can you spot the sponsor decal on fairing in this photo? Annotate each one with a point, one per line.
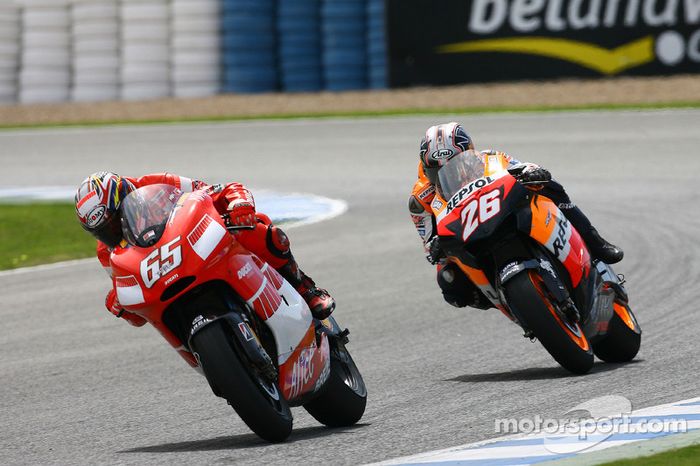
(206, 236)
(129, 291)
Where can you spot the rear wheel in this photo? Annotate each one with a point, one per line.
(623, 338)
(562, 338)
(257, 401)
(344, 396)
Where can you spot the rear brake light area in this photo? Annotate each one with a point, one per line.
(206, 236)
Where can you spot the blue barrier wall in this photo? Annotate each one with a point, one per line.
(299, 45)
(249, 46)
(344, 52)
(376, 44)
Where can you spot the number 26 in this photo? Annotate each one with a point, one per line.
(479, 211)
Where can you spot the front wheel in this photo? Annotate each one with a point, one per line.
(564, 340)
(258, 402)
(344, 395)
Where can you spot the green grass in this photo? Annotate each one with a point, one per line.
(688, 456)
(364, 114)
(41, 233)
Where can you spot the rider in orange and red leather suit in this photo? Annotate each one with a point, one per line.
(439, 144)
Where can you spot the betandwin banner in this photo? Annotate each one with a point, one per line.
(456, 41)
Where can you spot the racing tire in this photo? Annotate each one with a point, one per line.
(566, 343)
(621, 342)
(343, 398)
(259, 404)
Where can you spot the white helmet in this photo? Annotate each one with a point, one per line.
(440, 144)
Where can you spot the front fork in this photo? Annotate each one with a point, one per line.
(246, 340)
(557, 290)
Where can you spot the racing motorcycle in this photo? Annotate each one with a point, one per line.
(231, 316)
(531, 263)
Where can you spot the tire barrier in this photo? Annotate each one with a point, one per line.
(9, 51)
(249, 52)
(299, 48)
(45, 72)
(344, 50)
(145, 49)
(376, 44)
(196, 59)
(91, 50)
(95, 45)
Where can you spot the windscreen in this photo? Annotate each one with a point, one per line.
(459, 171)
(145, 213)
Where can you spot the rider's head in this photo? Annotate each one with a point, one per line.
(97, 203)
(440, 144)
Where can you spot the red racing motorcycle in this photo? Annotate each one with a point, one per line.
(531, 263)
(232, 316)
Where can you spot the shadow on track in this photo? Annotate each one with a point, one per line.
(537, 373)
(242, 441)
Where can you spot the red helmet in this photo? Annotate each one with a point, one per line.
(97, 203)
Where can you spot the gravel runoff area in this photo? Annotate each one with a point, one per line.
(565, 93)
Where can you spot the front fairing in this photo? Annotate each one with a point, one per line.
(194, 239)
(479, 208)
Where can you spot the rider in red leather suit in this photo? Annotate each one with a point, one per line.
(98, 200)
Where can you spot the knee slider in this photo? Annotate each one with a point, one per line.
(278, 242)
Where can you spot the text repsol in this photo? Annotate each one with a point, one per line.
(467, 190)
(561, 240)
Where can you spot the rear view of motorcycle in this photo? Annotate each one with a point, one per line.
(527, 258)
(232, 316)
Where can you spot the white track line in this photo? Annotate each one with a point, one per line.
(640, 425)
(336, 207)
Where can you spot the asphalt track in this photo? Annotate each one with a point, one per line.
(80, 387)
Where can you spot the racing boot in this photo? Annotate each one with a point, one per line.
(601, 249)
(320, 302)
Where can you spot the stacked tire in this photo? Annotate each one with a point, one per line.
(249, 46)
(45, 59)
(299, 48)
(10, 29)
(376, 44)
(195, 48)
(95, 42)
(344, 51)
(145, 49)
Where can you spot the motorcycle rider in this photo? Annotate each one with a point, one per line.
(98, 201)
(438, 145)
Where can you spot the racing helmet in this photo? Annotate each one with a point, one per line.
(97, 203)
(440, 144)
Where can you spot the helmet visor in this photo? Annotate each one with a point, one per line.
(145, 213)
(110, 231)
(458, 172)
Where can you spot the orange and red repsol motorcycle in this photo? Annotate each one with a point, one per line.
(527, 258)
(232, 316)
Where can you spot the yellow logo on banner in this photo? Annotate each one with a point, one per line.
(636, 53)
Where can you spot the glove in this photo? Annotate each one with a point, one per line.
(530, 174)
(241, 213)
(113, 306)
(112, 303)
(434, 254)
